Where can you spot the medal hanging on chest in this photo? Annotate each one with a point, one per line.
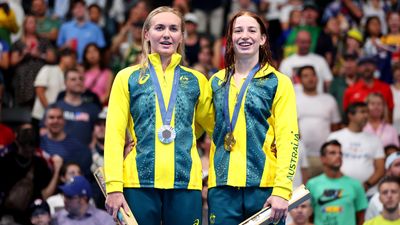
(166, 133)
(229, 139)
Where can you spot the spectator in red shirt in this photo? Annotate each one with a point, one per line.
(6, 135)
(367, 84)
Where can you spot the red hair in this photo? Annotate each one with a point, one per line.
(264, 53)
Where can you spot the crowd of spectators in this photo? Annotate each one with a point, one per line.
(58, 59)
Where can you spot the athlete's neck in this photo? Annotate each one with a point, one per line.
(244, 65)
(165, 61)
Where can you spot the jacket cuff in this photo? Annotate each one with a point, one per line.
(114, 187)
(282, 192)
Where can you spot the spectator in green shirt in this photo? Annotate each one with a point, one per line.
(46, 27)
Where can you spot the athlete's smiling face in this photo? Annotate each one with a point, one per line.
(246, 36)
(164, 34)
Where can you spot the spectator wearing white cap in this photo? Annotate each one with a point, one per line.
(40, 213)
(77, 208)
(392, 166)
(192, 39)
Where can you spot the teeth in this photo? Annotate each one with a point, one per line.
(245, 44)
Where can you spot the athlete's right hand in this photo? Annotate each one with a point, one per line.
(114, 201)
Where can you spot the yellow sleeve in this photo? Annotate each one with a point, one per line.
(286, 136)
(205, 107)
(10, 22)
(116, 124)
(384, 39)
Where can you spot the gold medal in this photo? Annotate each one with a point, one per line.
(229, 141)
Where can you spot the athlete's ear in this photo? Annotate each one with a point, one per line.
(146, 35)
(263, 39)
(182, 41)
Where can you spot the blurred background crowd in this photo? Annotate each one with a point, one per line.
(61, 56)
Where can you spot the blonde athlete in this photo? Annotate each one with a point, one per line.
(255, 140)
(159, 102)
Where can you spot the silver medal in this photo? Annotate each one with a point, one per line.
(166, 134)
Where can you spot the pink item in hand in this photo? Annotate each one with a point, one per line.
(74, 44)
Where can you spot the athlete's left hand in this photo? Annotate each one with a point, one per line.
(279, 208)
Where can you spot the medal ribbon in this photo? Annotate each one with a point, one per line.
(231, 125)
(166, 114)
